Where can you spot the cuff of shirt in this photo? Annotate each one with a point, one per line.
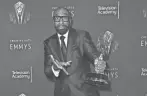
(56, 73)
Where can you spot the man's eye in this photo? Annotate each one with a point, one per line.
(57, 18)
(65, 19)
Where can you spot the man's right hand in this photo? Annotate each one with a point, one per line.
(58, 65)
(55, 70)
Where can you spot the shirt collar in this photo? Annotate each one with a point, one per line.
(65, 35)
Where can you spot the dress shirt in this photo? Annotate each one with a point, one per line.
(56, 73)
(66, 38)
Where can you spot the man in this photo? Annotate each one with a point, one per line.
(69, 44)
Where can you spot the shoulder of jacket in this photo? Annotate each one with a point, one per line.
(82, 32)
(47, 40)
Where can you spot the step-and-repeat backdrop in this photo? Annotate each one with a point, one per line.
(25, 24)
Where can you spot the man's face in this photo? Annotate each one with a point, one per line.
(62, 21)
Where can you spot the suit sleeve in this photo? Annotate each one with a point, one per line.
(48, 63)
(89, 47)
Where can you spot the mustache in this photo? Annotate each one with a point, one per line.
(61, 26)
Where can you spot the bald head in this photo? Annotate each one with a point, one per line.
(61, 11)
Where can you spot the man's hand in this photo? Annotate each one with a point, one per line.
(100, 65)
(58, 65)
(66, 63)
(61, 64)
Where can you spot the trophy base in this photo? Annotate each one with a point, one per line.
(99, 80)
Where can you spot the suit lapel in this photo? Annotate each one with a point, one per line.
(56, 48)
(71, 42)
(56, 45)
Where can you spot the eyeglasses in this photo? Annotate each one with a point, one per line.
(58, 18)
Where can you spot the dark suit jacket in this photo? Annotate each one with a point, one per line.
(82, 52)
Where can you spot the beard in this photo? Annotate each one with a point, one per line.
(61, 29)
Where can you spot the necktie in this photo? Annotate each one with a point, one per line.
(63, 47)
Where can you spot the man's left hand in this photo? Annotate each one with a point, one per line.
(100, 65)
(66, 63)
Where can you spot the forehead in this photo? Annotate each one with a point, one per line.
(61, 12)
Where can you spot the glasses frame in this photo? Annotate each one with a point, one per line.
(61, 17)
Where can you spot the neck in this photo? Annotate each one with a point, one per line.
(63, 33)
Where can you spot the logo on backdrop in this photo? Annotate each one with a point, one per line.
(19, 16)
(22, 94)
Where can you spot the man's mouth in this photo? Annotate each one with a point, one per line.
(61, 27)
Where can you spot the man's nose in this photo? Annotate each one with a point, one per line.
(61, 21)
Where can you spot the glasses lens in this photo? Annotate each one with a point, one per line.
(63, 18)
(56, 18)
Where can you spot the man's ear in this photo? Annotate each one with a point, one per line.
(53, 21)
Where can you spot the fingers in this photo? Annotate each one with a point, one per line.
(65, 63)
(96, 61)
(69, 62)
(101, 62)
(100, 66)
(99, 71)
(62, 63)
